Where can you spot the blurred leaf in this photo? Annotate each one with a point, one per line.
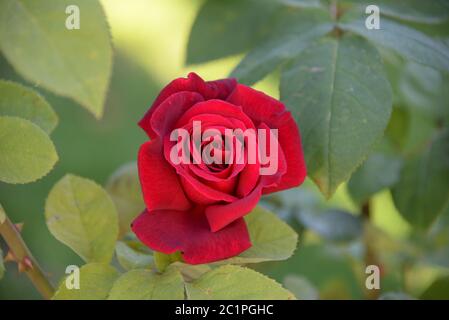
(96, 280)
(131, 258)
(438, 290)
(378, 172)
(124, 188)
(333, 225)
(294, 31)
(27, 153)
(2, 214)
(301, 287)
(404, 40)
(72, 63)
(434, 11)
(22, 102)
(425, 89)
(422, 192)
(271, 238)
(2, 266)
(224, 28)
(398, 127)
(142, 284)
(236, 283)
(162, 260)
(346, 106)
(395, 296)
(80, 214)
(302, 3)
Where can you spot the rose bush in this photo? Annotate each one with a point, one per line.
(198, 208)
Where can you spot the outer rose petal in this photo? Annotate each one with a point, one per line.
(219, 89)
(263, 108)
(160, 184)
(188, 231)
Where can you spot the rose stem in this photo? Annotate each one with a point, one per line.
(24, 258)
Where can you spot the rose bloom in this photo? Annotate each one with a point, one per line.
(198, 208)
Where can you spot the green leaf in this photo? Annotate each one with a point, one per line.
(124, 188)
(435, 11)
(2, 266)
(271, 238)
(302, 3)
(333, 225)
(438, 290)
(293, 33)
(27, 153)
(71, 63)
(224, 28)
(22, 102)
(425, 89)
(378, 172)
(422, 192)
(398, 128)
(407, 42)
(236, 283)
(302, 288)
(142, 284)
(162, 260)
(96, 280)
(190, 272)
(341, 98)
(132, 258)
(81, 214)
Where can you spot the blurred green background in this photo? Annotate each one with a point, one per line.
(149, 39)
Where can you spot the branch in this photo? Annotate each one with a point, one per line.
(20, 253)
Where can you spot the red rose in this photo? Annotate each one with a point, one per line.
(198, 207)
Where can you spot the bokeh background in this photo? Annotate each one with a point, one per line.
(149, 39)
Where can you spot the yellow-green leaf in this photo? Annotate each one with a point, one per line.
(141, 284)
(22, 102)
(75, 63)
(81, 214)
(95, 281)
(27, 153)
(236, 283)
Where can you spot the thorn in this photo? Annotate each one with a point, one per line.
(19, 226)
(25, 265)
(9, 257)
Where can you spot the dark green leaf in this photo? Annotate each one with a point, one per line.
(333, 225)
(422, 192)
(293, 32)
(438, 290)
(404, 40)
(378, 172)
(341, 98)
(224, 28)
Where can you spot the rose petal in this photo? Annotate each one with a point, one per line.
(290, 144)
(168, 112)
(256, 104)
(188, 231)
(219, 89)
(220, 216)
(160, 184)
